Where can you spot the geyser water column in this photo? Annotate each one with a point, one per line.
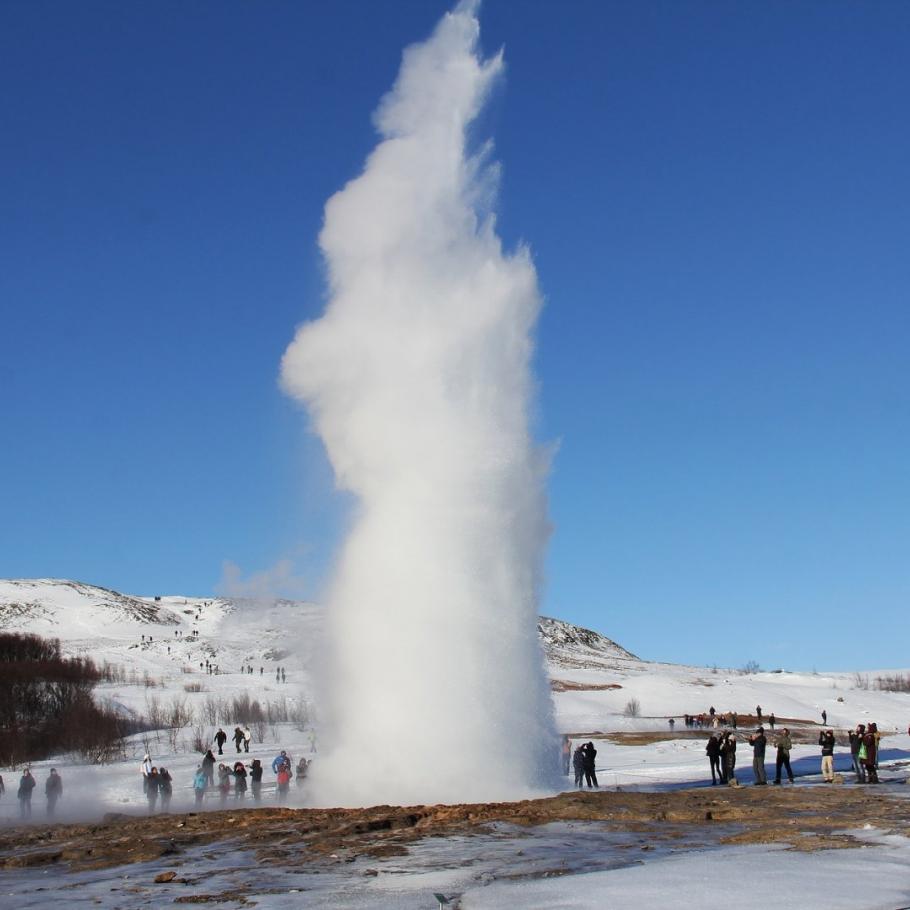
(417, 378)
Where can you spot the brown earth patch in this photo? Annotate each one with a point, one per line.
(566, 685)
(805, 817)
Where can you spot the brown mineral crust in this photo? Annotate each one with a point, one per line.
(804, 817)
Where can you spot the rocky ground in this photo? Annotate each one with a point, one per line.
(805, 817)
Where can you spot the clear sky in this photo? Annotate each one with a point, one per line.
(717, 196)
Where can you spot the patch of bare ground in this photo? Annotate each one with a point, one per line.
(566, 685)
(807, 818)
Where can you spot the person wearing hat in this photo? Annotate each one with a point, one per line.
(826, 741)
(758, 743)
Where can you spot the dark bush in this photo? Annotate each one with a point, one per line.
(46, 703)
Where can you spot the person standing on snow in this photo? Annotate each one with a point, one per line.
(588, 764)
(784, 745)
(224, 782)
(256, 779)
(146, 769)
(152, 790)
(281, 765)
(239, 780)
(238, 738)
(578, 765)
(247, 738)
(712, 750)
(53, 790)
(208, 767)
(165, 788)
(728, 756)
(758, 743)
(220, 740)
(26, 785)
(869, 753)
(856, 745)
(826, 741)
(200, 782)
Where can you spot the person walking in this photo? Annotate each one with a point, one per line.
(200, 783)
(26, 785)
(53, 790)
(758, 743)
(856, 747)
(869, 753)
(256, 779)
(784, 745)
(238, 738)
(826, 741)
(712, 750)
(578, 765)
(220, 740)
(588, 765)
(824, 717)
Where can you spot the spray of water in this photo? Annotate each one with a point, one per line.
(417, 378)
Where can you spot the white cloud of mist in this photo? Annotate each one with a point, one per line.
(268, 585)
(418, 381)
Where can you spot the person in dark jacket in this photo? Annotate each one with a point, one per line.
(578, 766)
(239, 780)
(53, 790)
(712, 750)
(728, 756)
(208, 767)
(870, 761)
(220, 740)
(826, 741)
(238, 738)
(26, 785)
(165, 788)
(588, 764)
(758, 743)
(256, 778)
(152, 791)
(784, 745)
(856, 745)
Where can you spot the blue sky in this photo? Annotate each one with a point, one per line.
(717, 197)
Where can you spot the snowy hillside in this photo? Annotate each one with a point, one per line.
(169, 641)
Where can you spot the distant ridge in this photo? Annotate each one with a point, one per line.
(83, 616)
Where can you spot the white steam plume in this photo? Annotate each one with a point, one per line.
(418, 380)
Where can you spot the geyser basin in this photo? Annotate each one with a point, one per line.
(418, 380)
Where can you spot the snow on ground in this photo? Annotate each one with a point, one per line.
(594, 679)
(740, 877)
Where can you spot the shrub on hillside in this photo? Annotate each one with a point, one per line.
(46, 703)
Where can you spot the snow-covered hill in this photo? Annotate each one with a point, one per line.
(169, 640)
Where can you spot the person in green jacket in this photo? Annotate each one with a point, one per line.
(784, 745)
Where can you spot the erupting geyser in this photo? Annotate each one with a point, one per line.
(418, 381)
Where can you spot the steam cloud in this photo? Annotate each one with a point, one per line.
(417, 378)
